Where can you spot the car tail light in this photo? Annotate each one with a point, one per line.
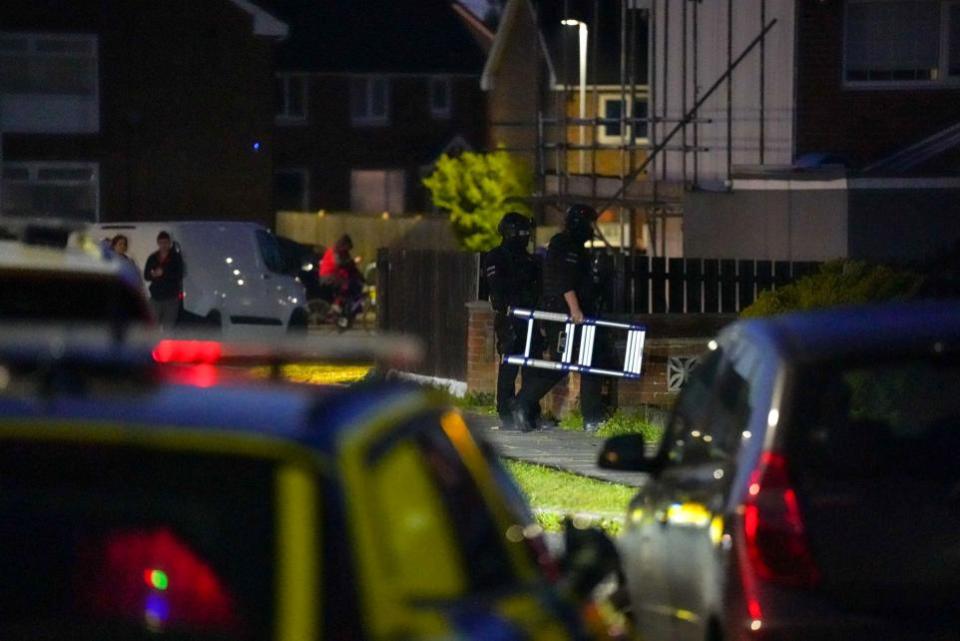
(187, 352)
(774, 535)
(152, 576)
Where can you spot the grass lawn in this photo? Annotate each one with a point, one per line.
(554, 494)
(622, 422)
(319, 374)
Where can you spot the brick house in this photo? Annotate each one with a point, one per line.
(567, 85)
(369, 95)
(151, 110)
(836, 137)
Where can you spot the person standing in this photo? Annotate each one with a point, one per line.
(568, 288)
(120, 244)
(164, 272)
(513, 279)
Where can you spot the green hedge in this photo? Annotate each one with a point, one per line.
(838, 282)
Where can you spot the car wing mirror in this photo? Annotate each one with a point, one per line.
(590, 556)
(627, 452)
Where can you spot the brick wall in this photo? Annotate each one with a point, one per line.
(186, 88)
(481, 349)
(652, 389)
(861, 124)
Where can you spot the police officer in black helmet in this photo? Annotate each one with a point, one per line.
(513, 278)
(568, 288)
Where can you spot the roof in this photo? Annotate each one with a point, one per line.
(373, 36)
(560, 43)
(17, 255)
(916, 154)
(919, 327)
(264, 24)
(312, 417)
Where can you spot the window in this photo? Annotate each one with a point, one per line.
(270, 251)
(291, 99)
(421, 555)
(102, 515)
(369, 100)
(440, 97)
(478, 536)
(375, 191)
(57, 190)
(953, 38)
(611, 110)
(49, 83)
(901, 41)
(291, 190)
(710, 415)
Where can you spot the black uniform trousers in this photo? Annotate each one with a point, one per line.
(511, 340)
(537, 382)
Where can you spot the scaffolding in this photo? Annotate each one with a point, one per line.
(641, 193)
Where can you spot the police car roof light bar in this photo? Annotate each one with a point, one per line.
(633, 355)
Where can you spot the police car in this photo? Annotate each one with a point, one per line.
(54, 272)
(148, 493)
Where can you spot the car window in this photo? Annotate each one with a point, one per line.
(65, 296)
(480, 540)
(711, 414)
(886, 419)
(124, 543)
(467, 550)
(270, 251)
(421, 556)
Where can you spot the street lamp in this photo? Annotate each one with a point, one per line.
(582, 33)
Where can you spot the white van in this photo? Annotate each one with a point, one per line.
(232, 277)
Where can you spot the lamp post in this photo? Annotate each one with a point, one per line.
(582, 33)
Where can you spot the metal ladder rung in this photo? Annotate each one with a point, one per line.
(633, 356)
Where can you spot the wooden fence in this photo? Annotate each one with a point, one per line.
(424, 293)
(651, 285)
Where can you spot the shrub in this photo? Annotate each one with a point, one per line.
(839, 282)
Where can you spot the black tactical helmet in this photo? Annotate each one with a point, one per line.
(514, 226)
(579, 220)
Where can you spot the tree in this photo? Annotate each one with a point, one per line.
(477, 190)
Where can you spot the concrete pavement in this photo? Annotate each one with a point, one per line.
(574, 452)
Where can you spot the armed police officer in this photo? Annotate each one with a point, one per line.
(569, 287)
(513, 278)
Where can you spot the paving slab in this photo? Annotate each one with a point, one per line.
(574, 452)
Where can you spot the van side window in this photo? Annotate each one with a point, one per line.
(270, 251)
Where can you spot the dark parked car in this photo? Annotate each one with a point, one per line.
(807, 486)
(303, 262)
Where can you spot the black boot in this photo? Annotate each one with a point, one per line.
(521, 418)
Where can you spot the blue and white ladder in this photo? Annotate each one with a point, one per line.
(632, 359)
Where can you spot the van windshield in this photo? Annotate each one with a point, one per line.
(270, 251)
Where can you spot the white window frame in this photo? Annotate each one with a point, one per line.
(284, 116)
(603, 138)
(441, 113)
(943, 63)
(368, 118)
(305, 173)
(32, 37)
(34, 167)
